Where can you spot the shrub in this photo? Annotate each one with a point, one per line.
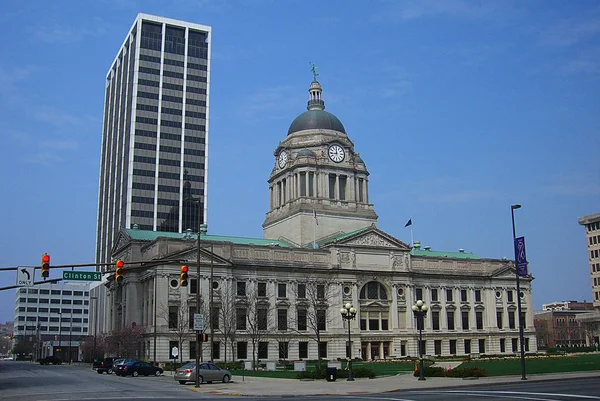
(457, 372)
(318, 374)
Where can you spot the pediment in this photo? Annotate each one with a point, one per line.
(190, 257)
(372, 238)
(123, 239)
(505, 272)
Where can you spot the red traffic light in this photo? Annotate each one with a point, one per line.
(45, 258)
(45, 266)
(120, 263)
(184, 269)
(183, 276)
(119, 271)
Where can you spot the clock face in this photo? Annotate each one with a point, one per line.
(282, 161)
(336, 153)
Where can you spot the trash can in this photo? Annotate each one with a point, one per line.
(331, 374)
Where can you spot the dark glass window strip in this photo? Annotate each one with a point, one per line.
(145, 133)
(171, 176)
(147, 107)
(148, 82)
(170, 149)
(152, 59)
(168, 188)
(194, 139)
(151, 35)
(148, 95)
(172, 74)
(195, 66)
(173, 137)
(144, 159)
(149, 70)
(193, 152)
(147, 227)
(167, 202)
(196, 78)
(142, 213)
(195, 114)
(143, 173)
(172, 86)
(191, 89)
(142, 199)
(175, 40)
(168, 110)
(146, 120)
(170, 162)
(176, 63)
(195, 127)
(139, 185)
(174, 99)
(193, 165)
(195, 102)
(145, 146)
(167, 123)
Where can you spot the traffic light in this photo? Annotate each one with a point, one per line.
(45, 266)
(204, 338)
(119, 271)
(183, 276)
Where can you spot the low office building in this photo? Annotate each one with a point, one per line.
(52, 319)
(279, 297)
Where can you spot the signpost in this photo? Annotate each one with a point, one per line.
(82, 276)
(25, 276)
(521, 257)
(198, 322)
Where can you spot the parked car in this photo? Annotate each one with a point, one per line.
(107, 365)
(118, 364)
(50, 359)
(136, 368)
(209, 372)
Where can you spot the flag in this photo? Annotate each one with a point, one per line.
(408, 223)
(315, 216)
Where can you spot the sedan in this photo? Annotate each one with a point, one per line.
(136, 368)
(209, 372)
(50, 359)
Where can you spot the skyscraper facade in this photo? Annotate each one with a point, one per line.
(592, 235)
(153, 169)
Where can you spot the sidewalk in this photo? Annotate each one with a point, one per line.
(255, 386)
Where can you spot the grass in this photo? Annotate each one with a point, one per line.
(533, 365)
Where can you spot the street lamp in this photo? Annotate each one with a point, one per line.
(95, 327)
(521, 338)
(349, 313)
(198, 201)
(420, 310)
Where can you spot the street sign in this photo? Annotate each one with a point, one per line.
(175, 352)
(198, 322)
(82, 276)
(521, 257)
(25, 276)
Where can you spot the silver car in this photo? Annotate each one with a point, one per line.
(209, 372)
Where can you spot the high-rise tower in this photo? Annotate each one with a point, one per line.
(592, 235)
(155, 131)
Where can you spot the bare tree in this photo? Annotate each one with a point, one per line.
(312, 303)
(227, 314)
(125, 341)
(178, 319)
(259, 314)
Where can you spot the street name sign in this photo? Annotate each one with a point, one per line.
(198, 322)
(82, 276)
(25, 276)
(521, 257)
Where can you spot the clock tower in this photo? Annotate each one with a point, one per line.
(319, 186)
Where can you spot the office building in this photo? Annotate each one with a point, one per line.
(592, 237)
(155, 131)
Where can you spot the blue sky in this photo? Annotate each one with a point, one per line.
(459, 109)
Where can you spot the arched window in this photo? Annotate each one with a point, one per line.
(373, 290)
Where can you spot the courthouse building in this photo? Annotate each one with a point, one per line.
(321, 249)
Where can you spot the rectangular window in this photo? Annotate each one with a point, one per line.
(323, 349)
(363, 324)
(502, 345)
(452, 347)
(384, 324)
(515, 344)
(262, 319)
(342, 181)
(215, 318)
(192, 348)
(331, 186)
(303, 350)
(216, 348)
(242, 350)
(193, 286)
(311, 184)
(373, 324)
(282, 319)
(302, 184)
(450, 315)
(435, 320)
(241, 288)
(434, 295)
(449, 297)
(284, 348)
(509, 296)
(173, 314)
(499, 319)
(463, 295)
(465, 320)
(282, 290)
(482, 346)
(321, 319)
(477, 295)
(360, 190)
(479, 320)
(526, 344)
(262, 289)
(320, 291)
(263, 350)
(240, 318)
(419, 294)
(301, 319)
(511, 320)
(302, 291)
(437, 347)
(467, 346)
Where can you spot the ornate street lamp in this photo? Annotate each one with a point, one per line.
(349, 313)
(420, 310)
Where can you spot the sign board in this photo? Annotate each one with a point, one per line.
(520, 257)
(198, 322)
(25, 276)
(82, 276)
(174, 352)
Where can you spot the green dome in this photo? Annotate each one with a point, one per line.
(316, 119)
(358, 159)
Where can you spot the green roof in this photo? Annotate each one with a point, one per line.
(146, 235)
(340, 236)
(441, 254)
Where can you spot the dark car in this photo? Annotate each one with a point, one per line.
(136, 368)
(50, 359)
(107, 365)
(118, 364)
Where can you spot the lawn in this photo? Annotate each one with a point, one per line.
(533, 365)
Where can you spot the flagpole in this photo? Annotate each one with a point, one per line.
(412, 242)
(314, 233)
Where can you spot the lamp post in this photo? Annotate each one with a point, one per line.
(420, 310)
(95, 328)
(349, 313)
(521, 337)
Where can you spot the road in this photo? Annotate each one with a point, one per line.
(26, 381)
